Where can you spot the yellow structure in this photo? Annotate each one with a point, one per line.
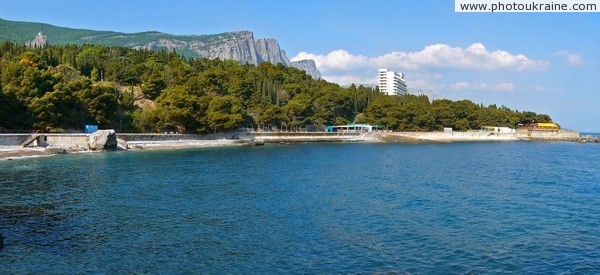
(545, 126)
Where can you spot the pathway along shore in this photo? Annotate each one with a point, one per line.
(11, 149)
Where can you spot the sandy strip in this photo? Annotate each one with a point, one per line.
(173, 144)
(16, 152)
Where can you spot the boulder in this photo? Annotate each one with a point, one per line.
(122, 144)
(249, 142)
(55, 150)
(103, 140)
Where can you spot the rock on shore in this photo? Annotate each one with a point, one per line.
(103, 140)
(55, 150)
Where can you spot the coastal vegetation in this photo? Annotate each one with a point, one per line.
(63, 88)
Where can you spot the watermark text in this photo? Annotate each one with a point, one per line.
(527, 5)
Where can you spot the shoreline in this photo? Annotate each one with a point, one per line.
(180, 144)
(139, 142)
(18, 152)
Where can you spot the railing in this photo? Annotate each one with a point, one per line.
(22, 131)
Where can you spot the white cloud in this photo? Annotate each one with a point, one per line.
(425, 85)
(539, 88)
(338, 60)
(469, 86)
(571, 58)
(463, 86)
(504, 87)
(475, 57)
(349, 79)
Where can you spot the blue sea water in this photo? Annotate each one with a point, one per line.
(508, 207)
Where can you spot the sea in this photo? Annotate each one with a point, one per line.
(473, 207)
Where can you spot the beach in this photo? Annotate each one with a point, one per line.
(13, 152)
(17, 152)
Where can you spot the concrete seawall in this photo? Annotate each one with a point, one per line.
(45, 139)
(67, 140)
(277, 137)
(561, 135)
(133, 137)
(479, 136)
(12, 139)
(79, 140)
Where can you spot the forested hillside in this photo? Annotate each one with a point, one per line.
(21, 32)
(62, 88)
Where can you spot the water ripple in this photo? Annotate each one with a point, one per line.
(314, 208)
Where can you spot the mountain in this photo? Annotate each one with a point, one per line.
(238, 45)
(307, 65)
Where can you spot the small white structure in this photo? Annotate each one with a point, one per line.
(391, 83)
(499, 130)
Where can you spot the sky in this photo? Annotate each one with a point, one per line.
(542, 62)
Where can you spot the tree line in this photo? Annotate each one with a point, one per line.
(63, 88)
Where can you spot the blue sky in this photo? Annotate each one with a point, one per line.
(543, 62)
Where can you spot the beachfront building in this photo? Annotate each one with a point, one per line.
(539, 127)
(499, 130)
(391, 83)
(349, 128)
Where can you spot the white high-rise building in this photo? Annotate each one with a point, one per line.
(392, 83)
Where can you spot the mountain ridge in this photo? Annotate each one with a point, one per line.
(236, 45)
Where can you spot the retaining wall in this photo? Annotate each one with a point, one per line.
(174, 137)
(561, 135)
(12, 139)
(276, 137)
(65, 140)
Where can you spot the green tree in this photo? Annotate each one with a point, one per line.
(179, 110)
(225, 113)
(298, 110)
(100, 103)
(272, 116)
(467, 114)
(56, 111)
(13, 113)
(152, 83)
(443, 113)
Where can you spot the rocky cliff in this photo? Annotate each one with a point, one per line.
(307, 65)
(239, 45)
(39, 41)
(268, 51)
